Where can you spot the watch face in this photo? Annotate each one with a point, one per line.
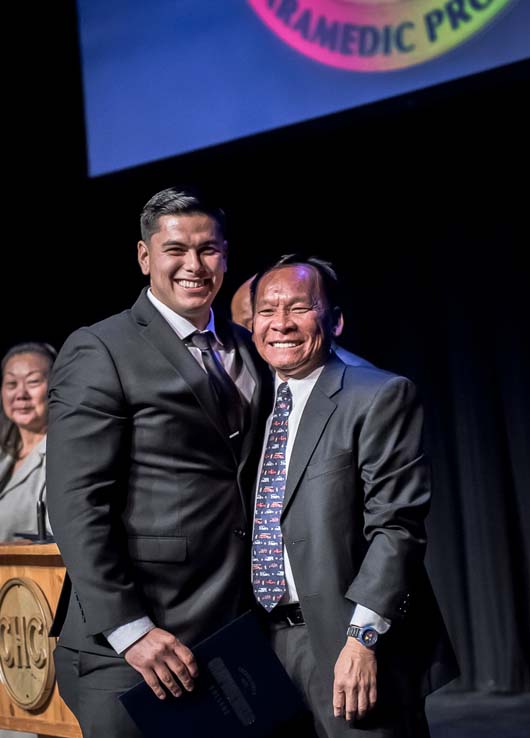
(369, 637)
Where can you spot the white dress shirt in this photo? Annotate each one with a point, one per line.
(300, 391)
(125, 635)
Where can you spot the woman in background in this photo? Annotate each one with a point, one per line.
(23, 423)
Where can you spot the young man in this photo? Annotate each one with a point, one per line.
(155, 414)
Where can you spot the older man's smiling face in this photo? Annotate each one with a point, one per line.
(292, 322)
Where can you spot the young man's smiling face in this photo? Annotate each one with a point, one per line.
(186, 260)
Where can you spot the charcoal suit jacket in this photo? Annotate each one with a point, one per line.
(357, 492)
(148, 497)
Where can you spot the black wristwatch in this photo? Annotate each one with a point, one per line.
(366, 635)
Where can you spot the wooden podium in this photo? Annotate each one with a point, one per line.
(31, 576)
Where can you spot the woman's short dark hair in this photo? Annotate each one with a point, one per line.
(29, 347)
(10, 440)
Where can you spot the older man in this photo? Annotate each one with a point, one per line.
(339, 535)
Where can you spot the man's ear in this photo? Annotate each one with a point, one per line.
(338, 322)
(225, 245)
(143, 257)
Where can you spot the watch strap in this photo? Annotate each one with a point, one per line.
(366, 635)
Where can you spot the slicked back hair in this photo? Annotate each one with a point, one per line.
(177, 201)
(328, 279)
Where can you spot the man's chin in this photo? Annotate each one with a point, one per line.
(286, 369)
(198, 297)
(192, 304)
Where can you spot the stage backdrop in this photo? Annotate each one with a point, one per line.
(170, 76)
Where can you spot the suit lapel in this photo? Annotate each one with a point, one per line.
(258, 410)
(156, 330)
(250, 364)
(317, 412)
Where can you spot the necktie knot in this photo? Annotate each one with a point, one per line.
(284, 395)
(202, 341)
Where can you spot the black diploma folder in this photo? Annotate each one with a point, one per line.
(242, 690)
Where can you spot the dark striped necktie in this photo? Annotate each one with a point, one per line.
(223, 387)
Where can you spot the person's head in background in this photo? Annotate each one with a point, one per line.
(25, 371)
(241, 305)
(183, 250)
(295, 303)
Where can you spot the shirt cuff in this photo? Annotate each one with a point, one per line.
(363, 616)
(124, 636)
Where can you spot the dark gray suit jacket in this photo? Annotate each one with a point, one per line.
(148, 500)
(357, 493)
(348, 358)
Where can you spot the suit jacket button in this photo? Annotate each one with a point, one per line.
(240, 533)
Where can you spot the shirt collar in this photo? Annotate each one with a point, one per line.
(300, 386)
(182, 326)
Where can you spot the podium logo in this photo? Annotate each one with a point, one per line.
(26, 664)
(376, 35)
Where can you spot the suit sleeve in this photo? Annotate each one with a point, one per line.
(396, 480)
(87, 466)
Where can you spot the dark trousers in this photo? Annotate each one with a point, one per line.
(292, 646)
(90, 685)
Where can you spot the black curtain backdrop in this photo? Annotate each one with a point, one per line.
(421, 202)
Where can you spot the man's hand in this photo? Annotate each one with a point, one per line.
(159, 657)
(355, 685)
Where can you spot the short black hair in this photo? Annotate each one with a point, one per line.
(178, 201)
(328, 279)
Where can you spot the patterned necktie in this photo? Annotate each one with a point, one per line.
(223, 386)
(268, 573)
